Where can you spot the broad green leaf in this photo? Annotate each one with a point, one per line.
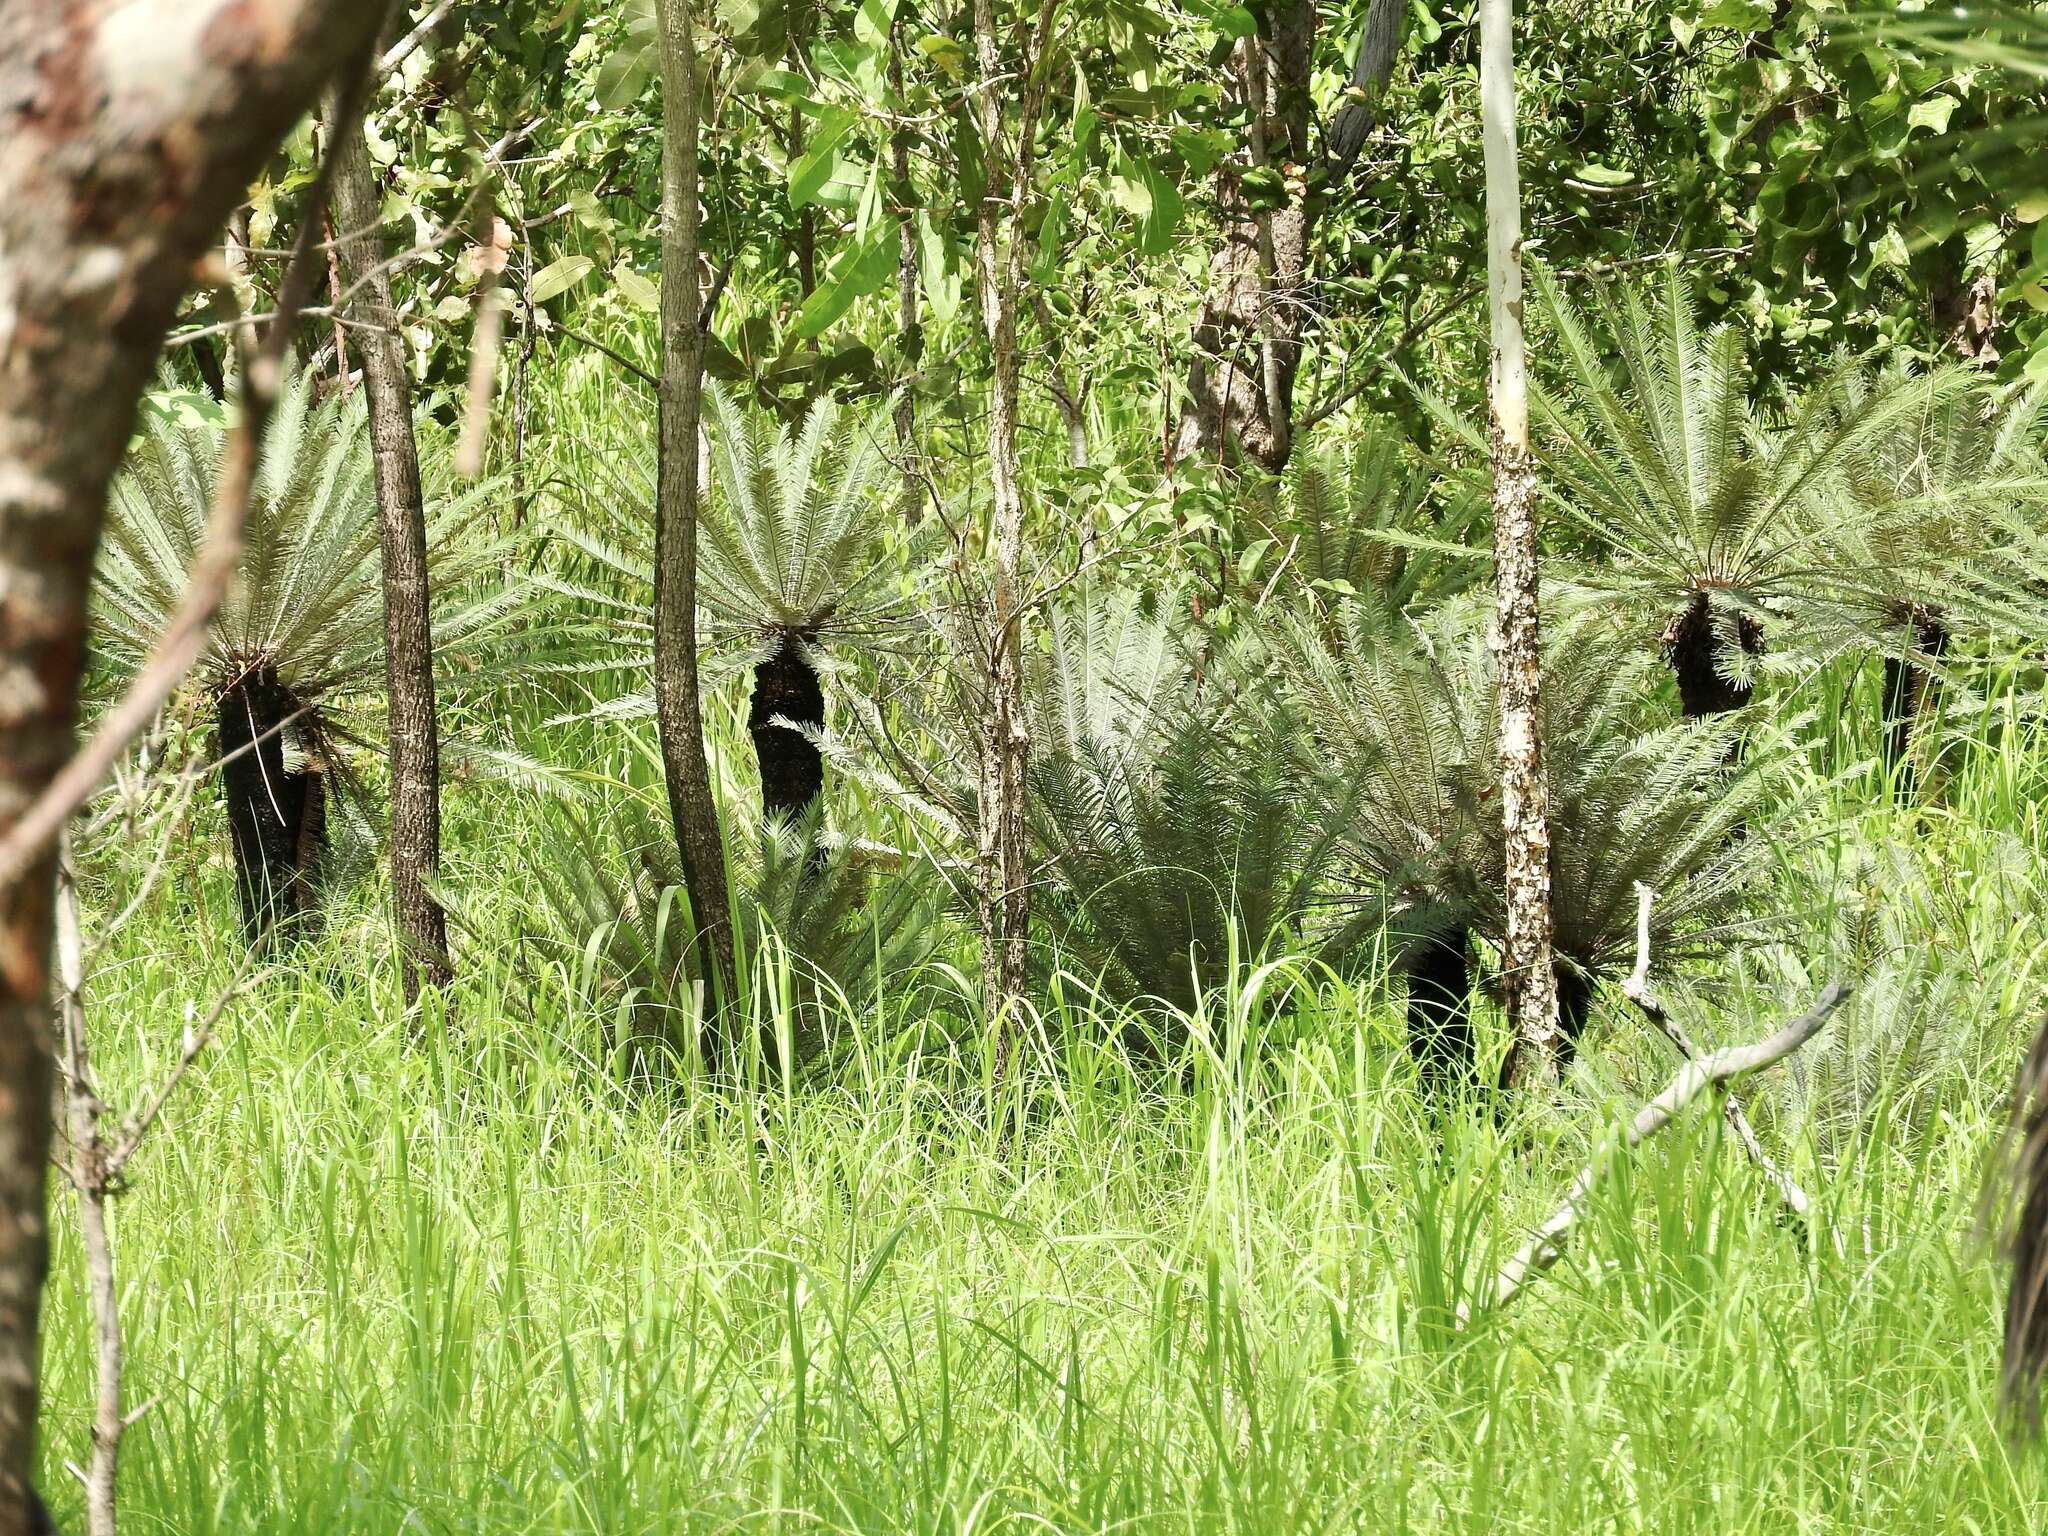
(1604, 175)
(623, 76)
(1932, 112)
(637, 290)
(858, 271)
(821, 160)
(558, 277)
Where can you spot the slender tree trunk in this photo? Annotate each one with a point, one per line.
(678, 708)
(1003, 857)
(126, 134)
(909, 319)
(1247, 340)
(1529, 980)
(408, 625)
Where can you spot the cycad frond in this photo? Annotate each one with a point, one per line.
(1369, 524)
(1712, 520)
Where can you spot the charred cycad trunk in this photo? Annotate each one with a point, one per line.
(1439, 974)
(1909, 686)
(277, 801)
(1574, 1011)
(786, 687)
(1694, 650)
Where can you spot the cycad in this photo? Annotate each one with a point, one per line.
(1407, 715)
(1943, 535)
(1175, 816)
(296, 648)
(847, 916)
(1413, 713)
(1712, 521)
(793, 560)
(1370, 523)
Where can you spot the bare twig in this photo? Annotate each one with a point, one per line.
(1698, 1075)
(1637, 987)
(212, 568)
(94, 1169)
(403, 49)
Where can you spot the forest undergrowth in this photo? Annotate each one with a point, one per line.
(473, 1273)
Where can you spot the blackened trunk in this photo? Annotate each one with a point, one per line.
(1694, 651)
(1439, 972)
(276, 799)
(1909, 687)
(786, 687)
(1574, 1011)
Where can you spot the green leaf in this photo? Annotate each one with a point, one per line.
(558, 277)
(1604, 175)
(637, 290)
(623, 76)
(1052, 231)
(1932, 112)
(945, 52)
(821, 160)
(858, 271)
(2032, 208)
(872, 21)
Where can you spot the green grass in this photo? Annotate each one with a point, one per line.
(460, 1278)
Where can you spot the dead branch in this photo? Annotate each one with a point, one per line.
(1546, 1246)
(1637, 988)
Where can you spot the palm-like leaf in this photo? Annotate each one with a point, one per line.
(1713, 521)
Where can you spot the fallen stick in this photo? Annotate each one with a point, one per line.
(1694, 1078)
(1637, 988)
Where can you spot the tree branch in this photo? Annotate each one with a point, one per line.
(1694, 1078)
(1637, 988)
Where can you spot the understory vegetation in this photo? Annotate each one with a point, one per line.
(470, 1273)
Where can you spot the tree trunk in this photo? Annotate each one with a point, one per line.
(1527, 977)
(1002, 853)
(677, 706)
(1439, 972)
(126, 134)
(276, 797)
(1968, 312)
(792, 768)
(1909, 688)
(1247, 340)
(408, 628)
(909, 319)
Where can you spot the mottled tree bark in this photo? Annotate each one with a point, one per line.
(1529, 981)
(1002, 849)
(126, 135)
(678, 709)
(415, 745)
(1247, 340)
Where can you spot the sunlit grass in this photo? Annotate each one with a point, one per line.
(456, 1275)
